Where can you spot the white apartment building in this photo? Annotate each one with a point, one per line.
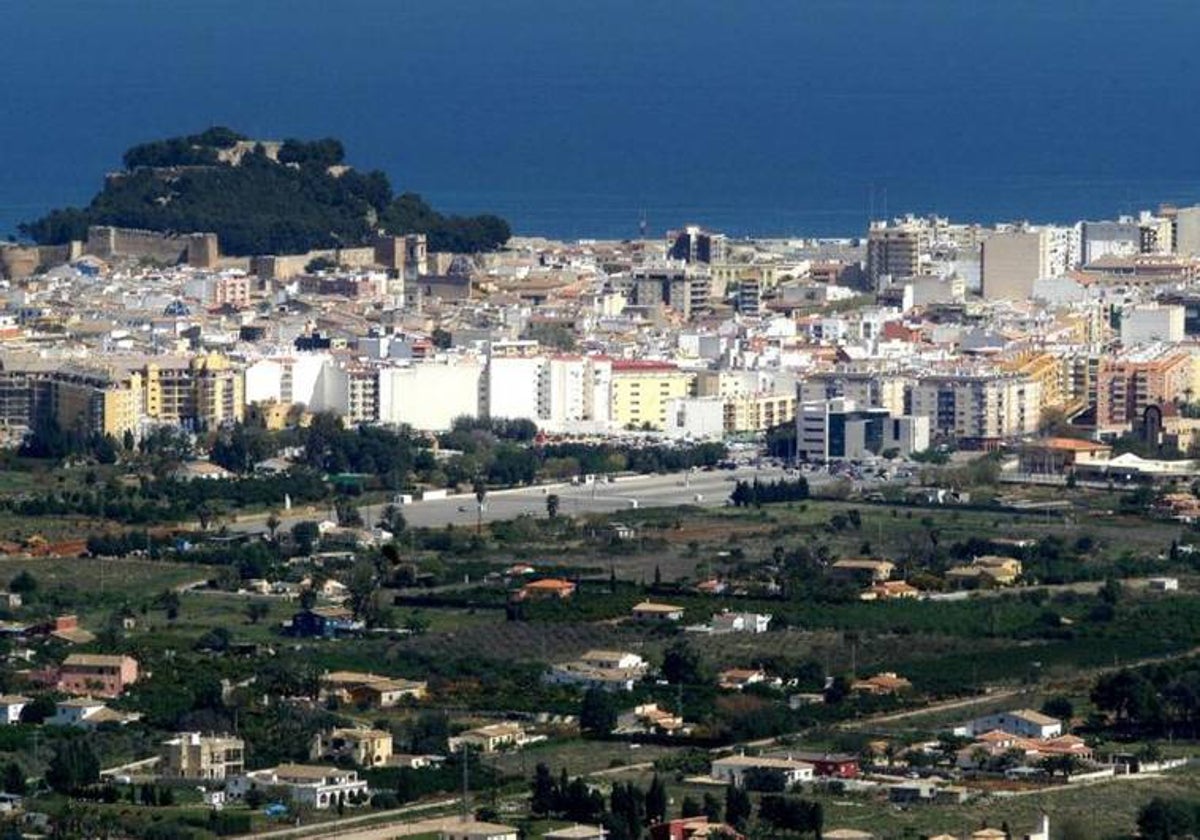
(350, 390)
(286, 379)
(1151, 323)
(575, 391)
(514, 387)
(428, 396)
(696, 418)
(863, 388)
(1122, 238)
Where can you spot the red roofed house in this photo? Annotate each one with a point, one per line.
(546, 588)
(692, 827)
(885, 683)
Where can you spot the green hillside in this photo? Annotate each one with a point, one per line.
(304, 199)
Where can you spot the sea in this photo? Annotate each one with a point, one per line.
(596, 118)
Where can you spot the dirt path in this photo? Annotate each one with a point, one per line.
(337, 828)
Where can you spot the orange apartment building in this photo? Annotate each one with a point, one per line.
(1129, 383)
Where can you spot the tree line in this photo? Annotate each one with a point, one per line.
(625, 816)
(756, 493)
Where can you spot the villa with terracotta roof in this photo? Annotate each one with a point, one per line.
(1058, 455)
(545, 588)
(996, 743)
(884, 683)
(889, 590)
(735, 679)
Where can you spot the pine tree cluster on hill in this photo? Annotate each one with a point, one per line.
(300, 198)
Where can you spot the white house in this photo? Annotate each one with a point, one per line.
(612, 670)
(1023, 722)
(87, 712)
(316, 786)
(732, 769)
(616, 659)
(73, 712)
(739, 622)
(11, 706)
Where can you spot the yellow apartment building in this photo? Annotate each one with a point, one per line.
(642, 389)
(202, 392)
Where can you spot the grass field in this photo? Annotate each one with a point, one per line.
(93, 588)
(579, 757)
(127, 575)
(1105, 809)
(689, 543)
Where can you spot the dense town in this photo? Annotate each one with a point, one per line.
(675, 537)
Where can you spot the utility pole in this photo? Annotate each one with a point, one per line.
(466, 784)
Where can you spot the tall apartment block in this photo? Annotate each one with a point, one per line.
(1011, 262)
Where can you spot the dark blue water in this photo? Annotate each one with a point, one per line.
(572, 118)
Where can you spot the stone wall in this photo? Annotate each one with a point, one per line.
(199, 249)
(283, 267)
(19, 261)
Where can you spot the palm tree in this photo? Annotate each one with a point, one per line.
(273, 523)
(480, 496)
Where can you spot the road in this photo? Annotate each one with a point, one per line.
(706, 489)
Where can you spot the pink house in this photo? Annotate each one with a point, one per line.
(98, 675)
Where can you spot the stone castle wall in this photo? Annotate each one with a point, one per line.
(197, 249)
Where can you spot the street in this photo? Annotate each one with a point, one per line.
(705, 489)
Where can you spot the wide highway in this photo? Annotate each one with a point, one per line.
(705, 489)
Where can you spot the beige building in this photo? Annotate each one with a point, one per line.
(894, 249)
(978, 408)
(209, 757)
(1011, 262)
(78, 398)
(758, 413)
(369, 689)
(490, 738)
(365, 747)
(1050, 371)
